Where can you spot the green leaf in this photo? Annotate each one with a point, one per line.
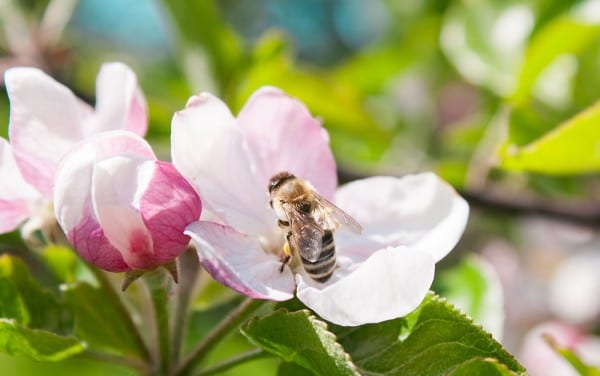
(301, 338)
(291, 369)
(435, 339)
(35, 344)
(200, 23)
(474, 287)
(24, 300)
(571, 148)
(480, 367)
(470, 39)
(572, 358)
(62, 261)
(12, 305)
(564, 35)
(99, 319)
(527, 124)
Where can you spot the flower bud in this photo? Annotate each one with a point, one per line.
(121, 208)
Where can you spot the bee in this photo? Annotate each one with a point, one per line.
(308, 221)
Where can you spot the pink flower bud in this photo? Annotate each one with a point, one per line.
(120, 207)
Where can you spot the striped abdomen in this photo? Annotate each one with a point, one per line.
(322, 269)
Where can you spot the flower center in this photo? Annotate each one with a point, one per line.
(42, 226)
(274, 244)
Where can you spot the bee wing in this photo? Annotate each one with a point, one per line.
(330, 217)
(306, 236)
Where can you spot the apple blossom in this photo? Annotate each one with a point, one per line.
(46, 121)
(408, 223)
(540, 359)
(574, 281)
(120, 207)
(17, 198)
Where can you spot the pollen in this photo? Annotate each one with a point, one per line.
(272, 245)
(286, 249)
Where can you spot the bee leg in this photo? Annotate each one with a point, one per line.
(287, 256)
(285, 261)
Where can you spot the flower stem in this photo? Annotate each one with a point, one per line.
(189, 269)
(234, 361)
(123, 312)
(133, 363)
(232, 320)
(156, 282)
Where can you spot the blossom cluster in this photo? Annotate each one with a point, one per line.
(91, 171)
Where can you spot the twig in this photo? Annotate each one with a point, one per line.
(234, 361)
(189, 269)
(236, 317)
(581, 212)
(123, 312)
(156, 283)
(115, 359)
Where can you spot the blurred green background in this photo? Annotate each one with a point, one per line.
(457, 87)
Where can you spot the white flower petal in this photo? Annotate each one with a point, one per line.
(283, 136)
(17, 197)
(389, 284)
(45, 122)
(72, 191)
(418, 211)
(120, 104)
(207, 148)
(193, 130)
(238, 261)
(117, 184)
(575, 280)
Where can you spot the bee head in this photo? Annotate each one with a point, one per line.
(278, 179)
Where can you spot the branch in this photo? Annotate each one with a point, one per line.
(229, 322)
(234, 362)
(576, 211)
(157, 284)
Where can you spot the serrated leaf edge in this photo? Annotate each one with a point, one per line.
(316, 322)
(488, 360)
(440, 299)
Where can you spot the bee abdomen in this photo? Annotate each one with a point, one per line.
(322, 269)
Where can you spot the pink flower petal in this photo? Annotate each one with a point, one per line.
(418, 211)
(389, 284)
(45, 122)
(167, 206)
(115, 195)
(541, 360)
(17, 197)
(90, 242)
(238, 261)
(283, 136)
(576, 279)
(120, 103)
(208, 150)
(75, 214)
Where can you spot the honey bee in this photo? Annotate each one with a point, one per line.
(309, 221)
